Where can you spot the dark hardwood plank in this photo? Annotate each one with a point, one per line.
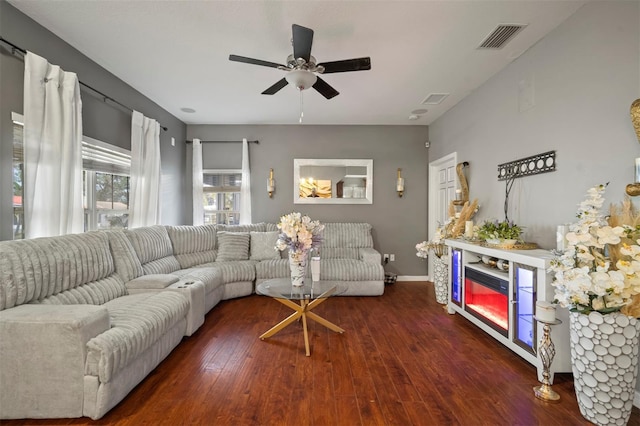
(401, 361)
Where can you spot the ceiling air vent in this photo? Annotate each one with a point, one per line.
(434, 98)
(501, 35)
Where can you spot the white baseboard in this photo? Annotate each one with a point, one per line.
(636, 399)
(413, 278)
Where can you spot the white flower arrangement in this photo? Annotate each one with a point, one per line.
(436, 243)
(600, 269)
(299, 234)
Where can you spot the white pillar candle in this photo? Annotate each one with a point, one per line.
(638, 170)
(468, 229)
(561, 237)
(315, 268)
(400, 184)
(458, 194)
(545, 311)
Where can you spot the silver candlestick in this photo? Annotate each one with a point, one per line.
(547, 351)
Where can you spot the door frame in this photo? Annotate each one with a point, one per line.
(434, 167)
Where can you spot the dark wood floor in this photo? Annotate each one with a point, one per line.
(401, 361)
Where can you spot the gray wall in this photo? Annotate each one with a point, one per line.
(585, 74)
(102, 121)
(398, 223)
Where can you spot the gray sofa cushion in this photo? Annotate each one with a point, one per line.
(137, 321)
(338, 253)
(258, 227)
(350, 270)
(153, 248)
(330, 270)
(193, 245)
(35, 269)
(276, 268)
(233, 246)
(234, 271)
(263, 246)
(95, 293)
(127, 264)
(347, 235)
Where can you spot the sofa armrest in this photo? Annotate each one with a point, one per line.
(151, 282)
(43, 353)
(370, 255)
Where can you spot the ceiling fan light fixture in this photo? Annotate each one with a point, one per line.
(301, 79)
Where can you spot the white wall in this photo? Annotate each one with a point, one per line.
(585, 75)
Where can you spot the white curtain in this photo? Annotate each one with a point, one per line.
(144, 196)
(52, 150)
(245, 189)
(196, 170)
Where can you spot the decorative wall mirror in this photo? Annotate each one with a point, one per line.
(332, 181)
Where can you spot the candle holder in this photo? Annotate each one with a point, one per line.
(547, 351)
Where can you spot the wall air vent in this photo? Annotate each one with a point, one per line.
(434, 98)
(501, 35)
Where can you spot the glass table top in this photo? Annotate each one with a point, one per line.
(281, 288)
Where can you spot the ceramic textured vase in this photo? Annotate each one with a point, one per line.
(440, 278)
(298, 270)
(604, 360)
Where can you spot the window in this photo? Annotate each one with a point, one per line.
(105, 179)
(18, 177)
(105, 185)
(221, 196)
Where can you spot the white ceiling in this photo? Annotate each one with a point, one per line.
(176, 52)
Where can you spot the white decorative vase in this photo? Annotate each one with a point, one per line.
(298, 266)
(440, 278)
(604, 360)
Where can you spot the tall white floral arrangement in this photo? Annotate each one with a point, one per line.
(299, 234)
(587, 276)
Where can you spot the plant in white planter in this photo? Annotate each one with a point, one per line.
(598, 278)
(495, 232)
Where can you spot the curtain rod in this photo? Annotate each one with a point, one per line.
(256, 142)
(105, 98)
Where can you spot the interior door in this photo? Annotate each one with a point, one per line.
(442, 189)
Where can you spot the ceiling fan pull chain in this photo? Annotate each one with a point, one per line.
(301, 106)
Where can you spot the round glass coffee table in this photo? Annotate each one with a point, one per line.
(307, 297)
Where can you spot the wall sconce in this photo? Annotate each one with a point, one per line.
(633, 189)
(400, 184)
(271, 184)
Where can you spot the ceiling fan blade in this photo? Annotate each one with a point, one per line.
(302, 41)
(276, 87)
(357, 64)
(324, 89)
(252, 61)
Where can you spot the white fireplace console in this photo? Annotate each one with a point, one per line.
(501, 302)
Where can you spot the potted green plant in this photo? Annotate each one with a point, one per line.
(505, 232)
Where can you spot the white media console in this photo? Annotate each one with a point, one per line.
(497, 291)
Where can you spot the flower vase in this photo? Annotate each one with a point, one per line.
(440, 278)
(604, 360)
(298, 266)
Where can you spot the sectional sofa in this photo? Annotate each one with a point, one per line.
(84, 318)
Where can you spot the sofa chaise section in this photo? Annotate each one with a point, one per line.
(72, 341)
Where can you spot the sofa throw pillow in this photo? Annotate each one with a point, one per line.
(263, 246)
(233, 246)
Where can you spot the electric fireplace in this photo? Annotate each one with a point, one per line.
(487, 298)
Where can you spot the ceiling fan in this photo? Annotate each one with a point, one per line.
(302, 67)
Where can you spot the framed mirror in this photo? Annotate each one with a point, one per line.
(332, 181)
